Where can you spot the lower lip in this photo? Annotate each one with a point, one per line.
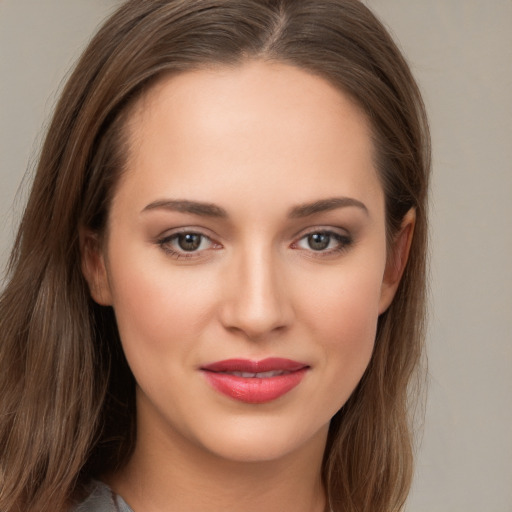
(253, 390)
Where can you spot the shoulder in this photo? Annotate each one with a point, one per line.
(101, 498)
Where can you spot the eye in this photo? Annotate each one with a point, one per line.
(318, 241)
(189, 241)
(186, 244)
(324, 242)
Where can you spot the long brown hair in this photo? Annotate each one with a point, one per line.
(67, 394)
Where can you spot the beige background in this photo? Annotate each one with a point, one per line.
(461, 53)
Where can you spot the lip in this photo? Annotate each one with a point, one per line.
(224, 377)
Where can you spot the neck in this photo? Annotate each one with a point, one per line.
(169, 472)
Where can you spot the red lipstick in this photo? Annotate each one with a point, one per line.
(255, 382)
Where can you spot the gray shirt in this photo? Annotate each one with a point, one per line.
(102, 498)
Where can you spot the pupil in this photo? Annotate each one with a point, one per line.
(319, 241)
(189, 241)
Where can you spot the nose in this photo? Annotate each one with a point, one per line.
(256, 301)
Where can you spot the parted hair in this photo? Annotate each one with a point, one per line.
(67, 405)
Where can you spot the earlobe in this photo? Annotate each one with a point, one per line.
(94, 268)
(397, 260)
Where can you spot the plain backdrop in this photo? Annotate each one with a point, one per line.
(461, 54)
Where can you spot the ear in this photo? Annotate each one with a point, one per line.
(396, 260)
(94, 268)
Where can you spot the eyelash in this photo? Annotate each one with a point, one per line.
(166, 244)
(343, 243)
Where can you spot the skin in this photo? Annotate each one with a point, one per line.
(258, 141)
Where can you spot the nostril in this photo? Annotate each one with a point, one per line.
(256, 300)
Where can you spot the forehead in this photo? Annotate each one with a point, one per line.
(260, 126)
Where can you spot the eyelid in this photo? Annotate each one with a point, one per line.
(165, 240)
(344, 238)
(322, 229)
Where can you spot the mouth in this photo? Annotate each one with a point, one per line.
(255, 382)
(259, 375)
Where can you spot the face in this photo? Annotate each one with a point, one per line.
(245, 258)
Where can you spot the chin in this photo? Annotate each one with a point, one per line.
(262, 443)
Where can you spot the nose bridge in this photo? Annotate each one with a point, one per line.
(258, 303)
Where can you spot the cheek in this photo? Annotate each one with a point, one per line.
(344, 321)
(345, 304)
(156, 308)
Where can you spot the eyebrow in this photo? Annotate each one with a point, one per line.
(212, 210)
(193, 207)
(325, 205)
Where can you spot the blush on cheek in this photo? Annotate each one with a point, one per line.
(157, 308)
(347, 318)
(355, 344)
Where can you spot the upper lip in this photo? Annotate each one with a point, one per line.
(246, 365)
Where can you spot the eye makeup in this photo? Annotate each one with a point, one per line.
(186, 244)
(324, 242)
(191, 243)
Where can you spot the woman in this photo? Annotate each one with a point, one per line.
(216, 294)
